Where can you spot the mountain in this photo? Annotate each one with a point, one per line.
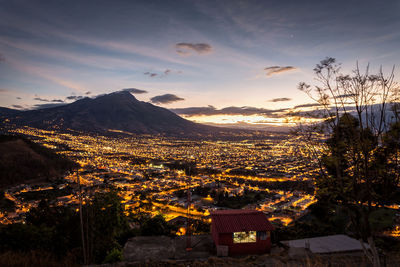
(22, 160)
(116, 112)
(6, 112)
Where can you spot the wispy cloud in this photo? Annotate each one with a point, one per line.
(93, 60)
(186, 49)
(211, 110)
(151, 74)
(278, 69)
(135, 91)
(166, 99)
(46, 73)
(161, 74)
(122, 47)
(74, 97)
(346, 96)
(280, 99)
(48, 100)
(48, 105)
(310, 105)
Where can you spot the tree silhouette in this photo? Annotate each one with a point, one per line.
(359, 160)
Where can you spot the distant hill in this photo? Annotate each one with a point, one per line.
(5, 112)
(115, 112)
(22, 160)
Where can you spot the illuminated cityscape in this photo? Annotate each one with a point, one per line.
(199, 133)
(276, 166)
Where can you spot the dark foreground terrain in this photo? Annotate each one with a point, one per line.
(22, 160)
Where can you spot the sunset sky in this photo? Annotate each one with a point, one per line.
(216, 56)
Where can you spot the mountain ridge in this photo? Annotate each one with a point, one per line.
(115, 111)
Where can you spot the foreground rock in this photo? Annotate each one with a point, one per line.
(143, 248)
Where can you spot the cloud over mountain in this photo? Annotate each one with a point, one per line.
(278, 69)
(165, 99)
(211, 110)
(186, 49)
(48, 105)
(47, 100)
(135, 91)
(74, 97)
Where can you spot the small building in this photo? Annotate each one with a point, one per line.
(241, 232)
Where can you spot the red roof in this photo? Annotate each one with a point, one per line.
(229, 221)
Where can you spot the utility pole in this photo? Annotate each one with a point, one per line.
(188, 230)
(81, 217)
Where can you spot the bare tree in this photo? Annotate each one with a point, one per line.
(359, 158)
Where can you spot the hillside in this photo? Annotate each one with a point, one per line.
(22, 161)
(5, 112)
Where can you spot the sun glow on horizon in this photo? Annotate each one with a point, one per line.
(251, 119)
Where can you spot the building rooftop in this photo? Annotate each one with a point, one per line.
(327, 244)
(229, 221)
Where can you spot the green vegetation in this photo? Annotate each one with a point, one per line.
(105, 224)
(200, 227)
(222, 198)
(323, 219)
(202, 191)
(114, 255)
(188, 166)
(151, 226)
(53, 230)
(49, 194)
(6, 205)
(304, 186)
(56, 231)
(238, 201)
(382, 219)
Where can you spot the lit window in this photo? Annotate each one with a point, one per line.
(245, 237)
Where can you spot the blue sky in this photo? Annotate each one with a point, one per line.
(203, 52)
